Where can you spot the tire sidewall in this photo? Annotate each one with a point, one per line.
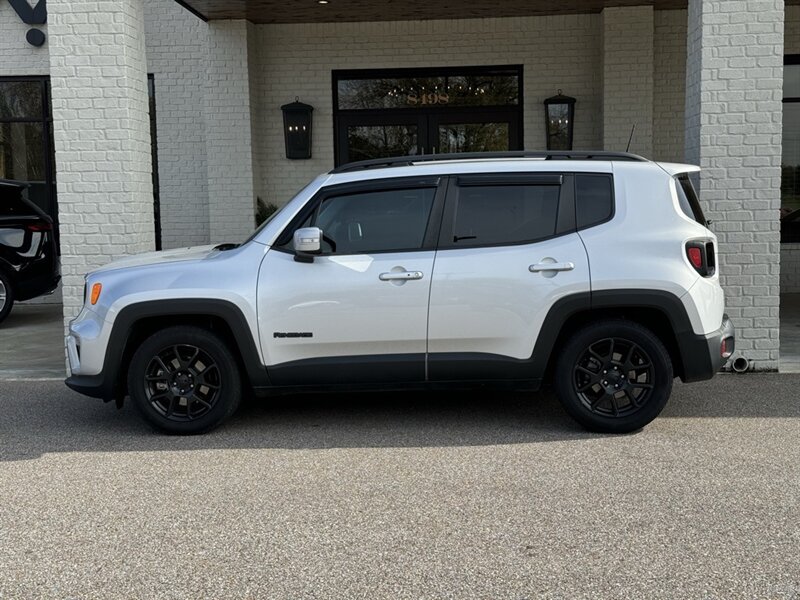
(649, 342)
(6, 310)
(230, 390)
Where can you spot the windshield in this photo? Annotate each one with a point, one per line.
(269, 219)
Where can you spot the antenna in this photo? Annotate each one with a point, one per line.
(630, 139)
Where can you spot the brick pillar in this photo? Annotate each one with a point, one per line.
(734, 87)
(228, 131)
(628, 78)
(101, 130)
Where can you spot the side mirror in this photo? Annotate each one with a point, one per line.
(307, 242)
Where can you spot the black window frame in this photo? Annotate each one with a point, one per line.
(284, 241)
(788, 59)
(46, 119)
(344, 118)
(565, 211)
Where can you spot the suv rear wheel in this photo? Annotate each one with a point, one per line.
(184, 380)
(614, 376)
(6, 296)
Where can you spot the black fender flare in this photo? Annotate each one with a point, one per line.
(106, 385)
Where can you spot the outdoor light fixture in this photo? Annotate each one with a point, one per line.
(559, 113)
(297, 129)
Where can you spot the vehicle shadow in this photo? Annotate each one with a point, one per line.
(44, 417)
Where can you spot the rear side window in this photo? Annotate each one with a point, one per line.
(687, 198)
(489, 215)
(12, 204)
(594, 199)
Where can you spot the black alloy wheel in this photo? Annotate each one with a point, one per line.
(613, 376)
(184, 380)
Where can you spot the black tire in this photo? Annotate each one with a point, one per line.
(6, 296)
(184, 380)
(613, 376)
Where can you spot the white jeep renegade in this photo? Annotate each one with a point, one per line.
(593, 271)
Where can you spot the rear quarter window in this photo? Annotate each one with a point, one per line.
(594, 199)
(687, 198)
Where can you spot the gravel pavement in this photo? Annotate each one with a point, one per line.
(374, 496)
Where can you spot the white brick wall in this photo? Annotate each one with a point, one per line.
(17, 56)
(669, 84)
(628, 84)
(733, 108)
(177, 45)
(296, 60)
(228, 132)
(102, 135)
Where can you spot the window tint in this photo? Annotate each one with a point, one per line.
(594, 199)
(375, 221)
(505, 214)
(12, 204)
(687, 198)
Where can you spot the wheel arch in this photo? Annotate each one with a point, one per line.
(136, 322)
(661, 312)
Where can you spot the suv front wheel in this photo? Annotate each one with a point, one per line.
(614, 376)
(184, 380)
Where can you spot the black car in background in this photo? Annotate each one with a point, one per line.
(29, 264)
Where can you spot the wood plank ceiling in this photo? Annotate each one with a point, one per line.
(312, 11)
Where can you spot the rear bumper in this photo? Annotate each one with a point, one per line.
(37, 286)
(703, 355)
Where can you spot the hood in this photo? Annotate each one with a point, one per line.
(160, 258)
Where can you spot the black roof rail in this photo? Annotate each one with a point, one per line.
(406, 161)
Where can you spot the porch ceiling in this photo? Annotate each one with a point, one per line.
(311, 11)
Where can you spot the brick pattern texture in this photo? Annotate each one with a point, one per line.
(733, 110)
(296, 60)
(177, 44)
(669, 84)
(102, 135)
(628, 84)
(17, 56)
(229, 139)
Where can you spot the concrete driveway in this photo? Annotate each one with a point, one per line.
(403, 496)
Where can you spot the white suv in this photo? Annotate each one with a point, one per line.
(592, 271)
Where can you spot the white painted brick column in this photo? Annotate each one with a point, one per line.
(229, 117)
(734, 87)
(628, 78)
(102, 135)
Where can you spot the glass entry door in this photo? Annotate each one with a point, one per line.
(363, 137)
(406, 112)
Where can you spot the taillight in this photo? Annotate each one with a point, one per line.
(40, 226)
(701, 256)
(695, 257)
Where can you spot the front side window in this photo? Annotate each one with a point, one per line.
(375, 221)
(489, 215)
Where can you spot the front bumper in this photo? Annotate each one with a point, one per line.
(704, 355)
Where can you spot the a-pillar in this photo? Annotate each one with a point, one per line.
(734, 89)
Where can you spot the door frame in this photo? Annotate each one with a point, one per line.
(429, 117)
